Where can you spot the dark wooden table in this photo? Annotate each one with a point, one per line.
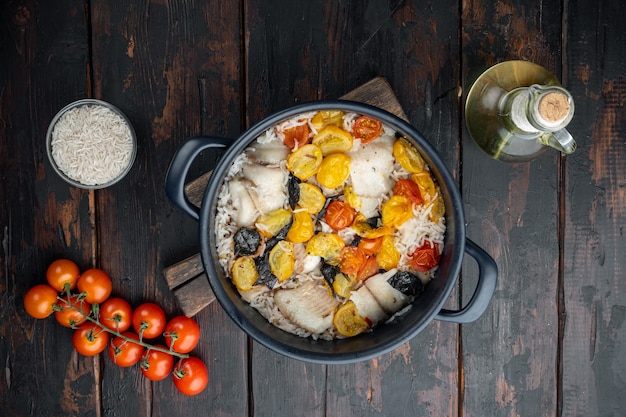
(552, 343)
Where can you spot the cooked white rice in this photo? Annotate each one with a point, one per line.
(92, 144)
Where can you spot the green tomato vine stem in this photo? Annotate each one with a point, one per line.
(95, 309)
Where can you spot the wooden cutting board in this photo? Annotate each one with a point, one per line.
(187, 278)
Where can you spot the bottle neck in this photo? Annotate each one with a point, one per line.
(538, 109)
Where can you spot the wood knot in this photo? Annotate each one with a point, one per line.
(21, 16)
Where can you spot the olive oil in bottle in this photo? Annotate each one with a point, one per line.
(516, 110)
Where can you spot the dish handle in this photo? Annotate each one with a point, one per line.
(179, 168)
(487, 280)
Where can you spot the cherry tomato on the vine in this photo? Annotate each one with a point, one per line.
(182, 334)
(155, 364)
(366, 129)
(125, 353)
(90, 339)
(39, 300)
(191, 376)
(116, 314)
(96, 284)
(62, 275)
(339, 215)
(149, 320)
(72, 314)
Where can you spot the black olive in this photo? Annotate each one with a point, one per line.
(293, 187)
(329, 272)
(281, 235)
(247, 241)
(265, 273)
(407, 283)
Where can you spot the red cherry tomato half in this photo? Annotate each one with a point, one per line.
(368, 269)
(352, 259)
(297, 135)
(155, 364)
(123, 352)
(39, 300)
(182, 334)
(339, 215)
(116, 314)
(371, 246)
(62, 275)
(366, 129)
(191, 376)
(425, 257)
(90, 339)
(409, 189)
(149, 320)
(72, 314)
(96, 284)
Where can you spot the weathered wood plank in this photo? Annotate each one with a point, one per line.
(594, 332)
(354, 42)
(510, 355)
(173, 67)
(41, 217)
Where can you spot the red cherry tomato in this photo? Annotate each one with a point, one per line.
(116, 314)
(366, 129)
(90, 339)
(297, 135)
(368, 269)
(352, 259)
(409, 189)
(96, 284)
(339, 215)
(123, 352)
(68, 314)
(155, 364)
(191, 376)
(425, 257)
(39, 300)
(371, 246)
(182, 334)
(62, 275)
(149, 320)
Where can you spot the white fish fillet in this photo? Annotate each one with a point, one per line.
(390, 299)
(268, 153)
(244, 210)
(309, 306)
(367, 306)
(269, 186)
(370, 170)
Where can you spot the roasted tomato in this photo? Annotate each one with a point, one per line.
(431, 195)
(388, 256)
(297, 136)
(282, 260)
(244, 273)
(305, 161)
(425, 257)
(370, 246)
(334, 170)
(352, 259)
(326, 245)
(348, 321)
(407, 156)
(396, 211)
(410, 189)
(302, 227)
(269, 224)
(366, 129)
(333, 139)
(311, 198)
(327, 117)
(368, 269)
(339, 215)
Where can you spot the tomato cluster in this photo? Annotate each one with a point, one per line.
(102, 322)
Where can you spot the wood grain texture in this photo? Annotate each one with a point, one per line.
(594, 333)
(510, 355)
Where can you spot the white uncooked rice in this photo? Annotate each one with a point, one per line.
(92, 144)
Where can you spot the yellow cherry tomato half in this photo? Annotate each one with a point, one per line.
(407, 156)
(334, 170)
(305, 161)
(325, 118)
(396, 211)
(311, 198)
(282, 260)
(333, 139)
(348, 321)
(302, 228)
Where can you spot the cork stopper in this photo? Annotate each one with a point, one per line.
(554, 107)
